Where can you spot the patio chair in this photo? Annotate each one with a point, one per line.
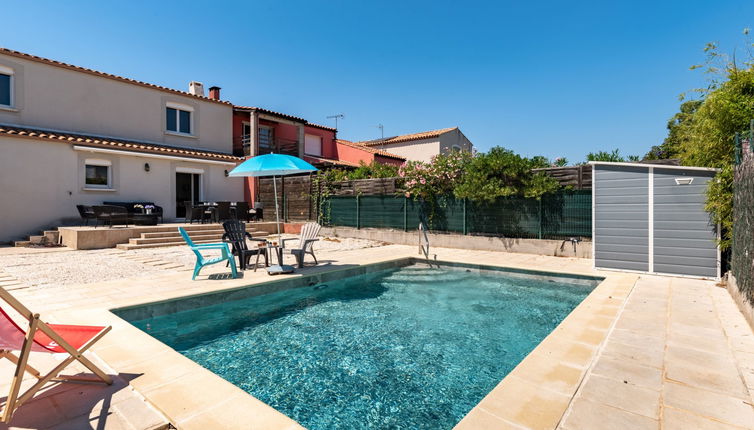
(305, 243)
(194, 213)
(72, 340)
(236, 234)
(242, 211)
(222, 212)
(201, 260)
(257, 214)
(86, 213)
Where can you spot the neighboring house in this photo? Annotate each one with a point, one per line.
(423, 146)
(258, 131)
(354, 153)
(71, 135)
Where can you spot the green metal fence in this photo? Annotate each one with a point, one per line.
(558, 215)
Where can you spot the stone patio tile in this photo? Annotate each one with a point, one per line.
(525, 404)
(711, 371)
(630, 371)
(639, 355)
(685, 329)
(244, 410)
(588, 415)
(479, 419)
(676, 419)
(140, 414)
(550, 373)
(700, 343)
(646, 322)
(569, 352)
(715, 406)
(640, 339)
(628, 397)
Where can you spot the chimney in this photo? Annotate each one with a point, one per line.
(196, 88)
(214, 93)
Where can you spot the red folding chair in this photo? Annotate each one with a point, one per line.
(42, 337)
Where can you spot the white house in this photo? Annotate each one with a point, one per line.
(71, 135)
(423, 146)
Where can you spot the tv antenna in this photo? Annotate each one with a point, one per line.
(382, 130)
(340, 115)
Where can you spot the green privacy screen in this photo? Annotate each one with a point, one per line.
(559, 215)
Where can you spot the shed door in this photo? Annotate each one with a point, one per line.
(621, 217)
(684, 238)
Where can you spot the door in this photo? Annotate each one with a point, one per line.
(187, 188)
(621, 217)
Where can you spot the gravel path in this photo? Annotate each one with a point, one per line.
(51, 269)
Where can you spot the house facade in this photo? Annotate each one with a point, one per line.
(71, 135)
(423, 146)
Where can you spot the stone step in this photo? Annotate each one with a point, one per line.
(21, 243)
(130, 246)
(192, 233)
(179, 239)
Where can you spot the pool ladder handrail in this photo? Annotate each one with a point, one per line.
(424, 244)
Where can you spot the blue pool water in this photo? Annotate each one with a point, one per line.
(411, 348)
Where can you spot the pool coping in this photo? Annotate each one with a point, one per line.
(535, 394)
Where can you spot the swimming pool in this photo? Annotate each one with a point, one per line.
(392, 347)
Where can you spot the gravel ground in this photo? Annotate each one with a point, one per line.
(50, 269)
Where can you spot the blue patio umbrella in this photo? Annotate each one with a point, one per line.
(272, 165)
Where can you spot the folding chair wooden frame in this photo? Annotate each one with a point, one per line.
(31, 340)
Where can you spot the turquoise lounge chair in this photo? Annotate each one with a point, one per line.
(202, 261)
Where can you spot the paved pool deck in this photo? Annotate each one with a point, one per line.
(639, 352)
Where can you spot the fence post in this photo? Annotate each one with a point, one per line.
(465, 228)
(405, 213)
(358, 213)
(540, 216)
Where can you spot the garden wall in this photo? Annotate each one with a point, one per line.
(559, 248)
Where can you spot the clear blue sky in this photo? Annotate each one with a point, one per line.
(552, 78)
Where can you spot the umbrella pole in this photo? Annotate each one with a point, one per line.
(277, 217)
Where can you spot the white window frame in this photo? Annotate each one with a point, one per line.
(320, 144)
(8, 71)
(179, 107)
(100, 163)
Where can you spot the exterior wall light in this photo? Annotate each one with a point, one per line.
(226, 173)
(146, 167)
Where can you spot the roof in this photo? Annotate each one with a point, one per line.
(655, 166)
(25, 56)
(117, 144)
(329, 161)
(407, 137)
(323, 127)
(270, 112)
(370, 150)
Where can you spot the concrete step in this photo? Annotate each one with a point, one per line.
(130, 246)
(193, 233)
(195, 238)
(21, 243)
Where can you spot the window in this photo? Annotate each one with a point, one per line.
(98, 173)
(265, 139)
(456, 148)
(312, 145)
(178, 118)
(245, 132)
(6, 86)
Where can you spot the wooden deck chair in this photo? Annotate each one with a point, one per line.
(43, 337)
(306, 241)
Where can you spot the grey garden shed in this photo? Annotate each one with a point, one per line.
(651, 218)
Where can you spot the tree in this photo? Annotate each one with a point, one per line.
(501, 172)
(613, 156)
(680, 127)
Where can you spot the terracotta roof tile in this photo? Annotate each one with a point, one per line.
(324, 127)
(406, 137)
(270, 112)
(55, 63)
(111, 143)
(370, 150)
(331, 161)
